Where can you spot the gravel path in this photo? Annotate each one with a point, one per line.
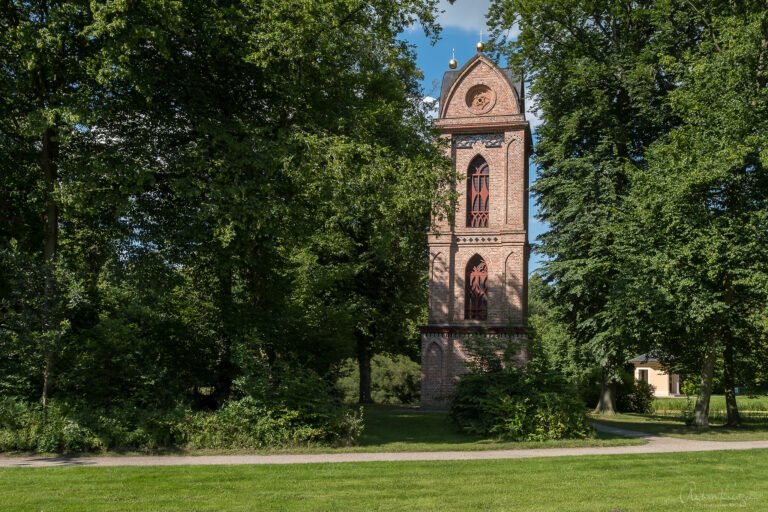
(655, 444)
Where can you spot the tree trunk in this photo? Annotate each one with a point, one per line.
(50, 176)
(701, 410)
(225, 367)
(48, 155)
(364, 365)
(47, 370)
(607, 402)
(729, 380)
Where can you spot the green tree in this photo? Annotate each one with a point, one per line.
(550, 334)
(46, 96)
(215, 182)
(599, 88)
(365, 258)
(699, 211)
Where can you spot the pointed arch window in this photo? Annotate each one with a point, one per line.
(476, 283)
(478, 193)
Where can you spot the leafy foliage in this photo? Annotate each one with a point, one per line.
(206, 203)
(394, 379)
(243, 424)
(706, 184)
(499, 398)
(519, 405)
(278, 407)
(596, 82)
(638, 398)
(651, 179)
(248, 424)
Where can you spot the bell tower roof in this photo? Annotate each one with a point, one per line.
(479, 68)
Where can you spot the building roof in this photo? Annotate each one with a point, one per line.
(644, 358)
(513, 79)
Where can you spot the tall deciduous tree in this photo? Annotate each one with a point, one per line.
(45, 95)
(700, 210)
(226, 180)
(301, 158)
(599, 88)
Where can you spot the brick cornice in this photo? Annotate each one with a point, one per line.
(473, 329)
(478, 237)
(480, 124)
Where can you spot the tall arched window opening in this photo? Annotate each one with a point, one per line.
(476, 283)
(478, 193)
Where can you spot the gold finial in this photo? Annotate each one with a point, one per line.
(480, 44)
(452, 63)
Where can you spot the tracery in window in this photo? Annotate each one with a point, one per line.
(476, 283)
(478, 193)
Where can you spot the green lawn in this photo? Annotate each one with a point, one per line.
(398, 429)
(680, 481)
(671, 427)
(751, 408)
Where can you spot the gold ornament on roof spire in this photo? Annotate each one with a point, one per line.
(480, 44)
(452, 63)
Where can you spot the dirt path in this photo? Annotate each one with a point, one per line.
(655, 444)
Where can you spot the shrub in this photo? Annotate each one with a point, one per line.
(24, 428)
(518, 404)
(639, 399)
(690, 387)
(286, 389)
(395, 379)
(245, 424)
(274, 405)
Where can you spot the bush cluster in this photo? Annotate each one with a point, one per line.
(240, 424)
(518, 404)
(249, 425)
(279, 405)
(636, 396)
(64, 428)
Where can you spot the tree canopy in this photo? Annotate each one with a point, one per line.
(197, 194)
(651, 178)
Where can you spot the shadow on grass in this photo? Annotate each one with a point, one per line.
(389, 425)
(397, 424)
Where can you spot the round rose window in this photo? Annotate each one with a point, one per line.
(480, 99)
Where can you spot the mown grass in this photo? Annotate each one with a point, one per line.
(671, 427)
(398, 429)
(680, 481)
(751, 407)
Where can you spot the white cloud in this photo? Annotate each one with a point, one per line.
(467, 15)
(431, 104)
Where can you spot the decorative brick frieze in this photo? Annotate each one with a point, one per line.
(488, 140)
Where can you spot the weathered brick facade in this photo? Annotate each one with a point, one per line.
(482, 114)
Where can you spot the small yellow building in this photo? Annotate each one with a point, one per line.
(649, 369)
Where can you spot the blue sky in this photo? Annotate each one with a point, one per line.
(461, 24)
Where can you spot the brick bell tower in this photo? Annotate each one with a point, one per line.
(478, 265)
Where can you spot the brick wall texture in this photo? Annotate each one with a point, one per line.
(498, 132)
